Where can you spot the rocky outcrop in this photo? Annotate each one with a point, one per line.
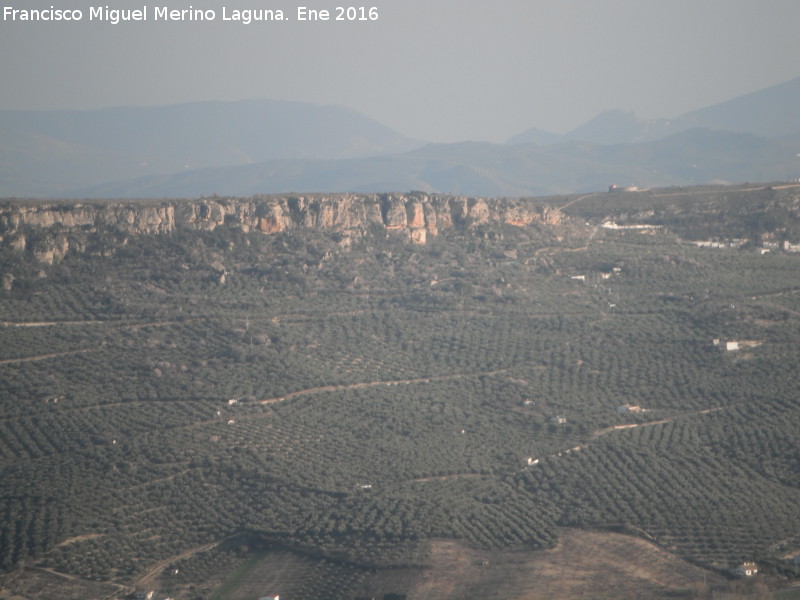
(51, 229)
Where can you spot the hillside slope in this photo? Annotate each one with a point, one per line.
(48, 152)
(697, 156)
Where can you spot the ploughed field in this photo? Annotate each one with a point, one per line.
(340, 415)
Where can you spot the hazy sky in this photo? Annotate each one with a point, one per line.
(437, 70)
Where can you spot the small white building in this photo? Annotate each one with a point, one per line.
(629, 408)
(746, 569)
(789, 247)
(741, 344)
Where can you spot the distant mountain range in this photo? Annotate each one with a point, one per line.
(771, 112)
(47, 153)
(695, 157)
(243, 148)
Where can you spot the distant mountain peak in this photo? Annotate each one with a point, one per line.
(610, 127)
(770, 112)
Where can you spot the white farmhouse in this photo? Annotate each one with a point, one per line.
(746, 569)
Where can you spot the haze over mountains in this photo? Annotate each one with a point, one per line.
(262, 146)
(772, 112)
(46, 153)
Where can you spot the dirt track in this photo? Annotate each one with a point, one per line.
(154, 571)
(368, 384)
(11, 361)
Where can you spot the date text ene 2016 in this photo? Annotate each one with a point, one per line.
(340, 13)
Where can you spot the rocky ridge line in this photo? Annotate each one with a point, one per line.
(49, 230)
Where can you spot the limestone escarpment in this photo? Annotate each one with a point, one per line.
(50, 230)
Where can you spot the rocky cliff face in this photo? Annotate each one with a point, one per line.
(50, 230)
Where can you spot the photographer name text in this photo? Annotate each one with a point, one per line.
(246, 16)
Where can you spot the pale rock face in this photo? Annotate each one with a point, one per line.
(430, 218)
(552, 216)
(274, 221)
(518, 216)
(51, 250)
(395, 214)
(326, 218)
(208, 214)
(444, 214)
(417, 217)
(479, 212)
(11, 221)
(372, 214)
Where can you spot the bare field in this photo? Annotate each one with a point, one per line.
(585, 564)
(293, 577)
(276, 571)
(41, 584)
